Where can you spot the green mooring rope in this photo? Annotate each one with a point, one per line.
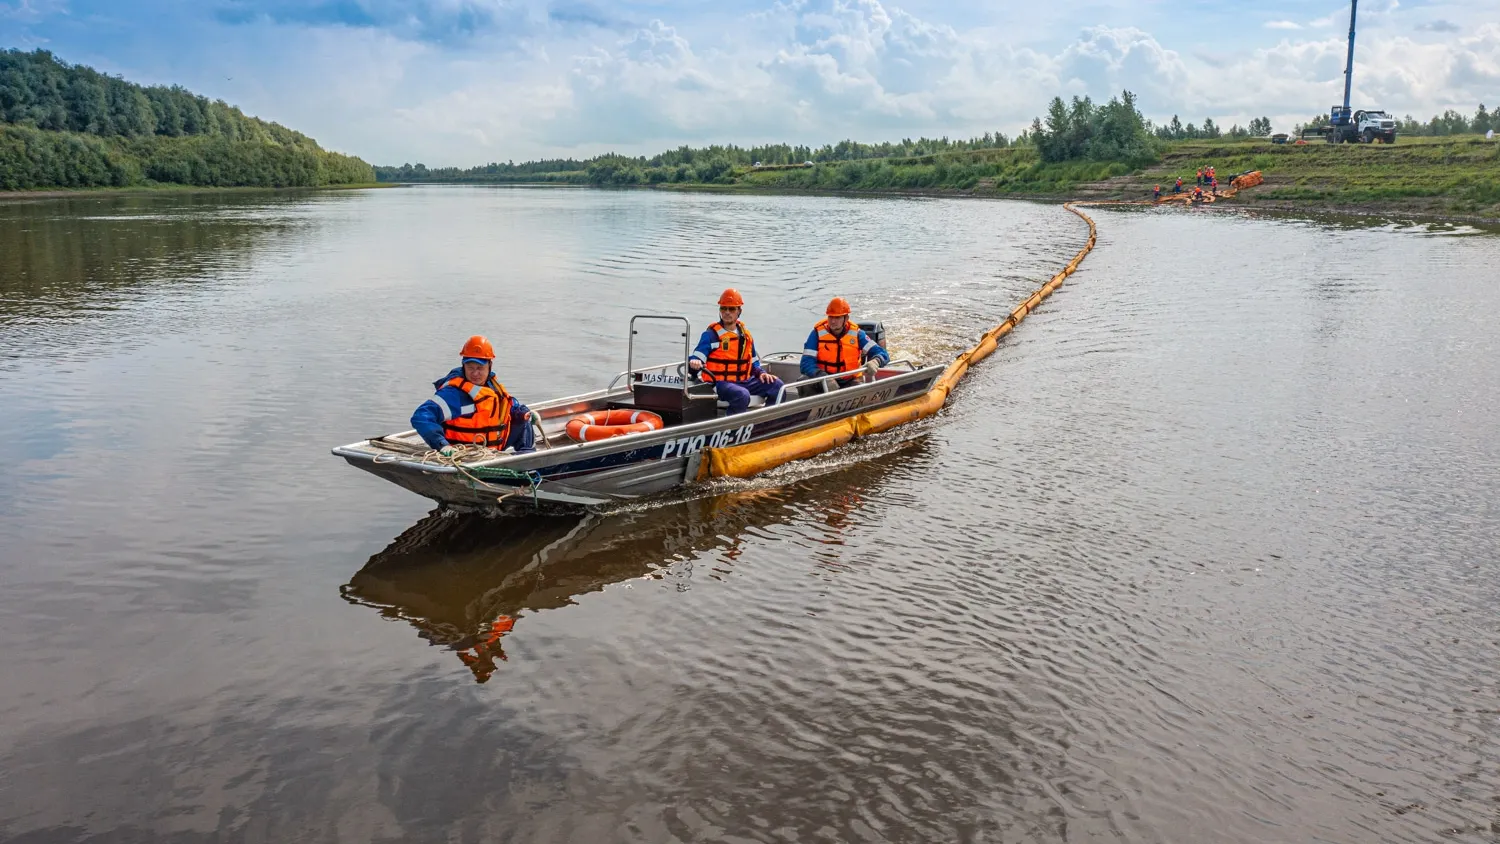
(531, 478)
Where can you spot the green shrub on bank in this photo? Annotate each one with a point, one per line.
(1115, 131)
(32, 158)
(35, 158)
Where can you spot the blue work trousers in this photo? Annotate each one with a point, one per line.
(738, 393)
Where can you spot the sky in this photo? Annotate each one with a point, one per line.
(467, 82)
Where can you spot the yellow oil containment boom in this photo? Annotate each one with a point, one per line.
(744, 461)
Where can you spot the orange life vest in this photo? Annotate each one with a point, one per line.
(838, 353)
(489, 423)
(730, 360)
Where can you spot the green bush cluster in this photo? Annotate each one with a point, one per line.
(33, 158)
(1115, 131)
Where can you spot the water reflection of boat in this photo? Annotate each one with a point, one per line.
(463, 581)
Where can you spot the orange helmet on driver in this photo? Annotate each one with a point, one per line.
(478, 347)
(731, 298)
(838, 306)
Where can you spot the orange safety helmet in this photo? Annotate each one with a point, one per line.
(478, 347)
(838, 306)
(731, 298)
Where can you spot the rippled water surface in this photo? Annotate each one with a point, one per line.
(1208, 551)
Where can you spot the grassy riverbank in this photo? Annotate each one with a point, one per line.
(1456, 175)
(1444, 176)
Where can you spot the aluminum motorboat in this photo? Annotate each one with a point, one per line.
(622, 468)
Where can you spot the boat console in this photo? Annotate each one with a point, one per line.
(676, 404)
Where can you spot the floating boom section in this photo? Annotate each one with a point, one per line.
(744, 461)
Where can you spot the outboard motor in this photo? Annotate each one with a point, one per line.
(876, 330)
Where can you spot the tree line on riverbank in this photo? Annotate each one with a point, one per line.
(1173, 130)
(64, 125)
(1095, 136)
(690, 164)
(1077, 140)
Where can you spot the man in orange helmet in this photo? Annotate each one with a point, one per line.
(838, 345)
(726, 356)
(472, 408)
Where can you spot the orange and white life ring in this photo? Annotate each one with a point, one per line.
(603, 424)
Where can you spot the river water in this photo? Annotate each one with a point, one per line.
(1208, 551)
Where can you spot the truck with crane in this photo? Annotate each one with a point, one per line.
(1346, 126)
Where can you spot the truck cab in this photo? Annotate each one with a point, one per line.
(1373, 124)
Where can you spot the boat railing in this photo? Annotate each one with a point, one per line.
(833, 376)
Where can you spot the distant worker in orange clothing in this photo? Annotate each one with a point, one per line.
(1214, 182)
(1156, 194)
(1198, 193)
(1177, 188)
(1200, 175)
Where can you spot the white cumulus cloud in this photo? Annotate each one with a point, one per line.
(652, 75)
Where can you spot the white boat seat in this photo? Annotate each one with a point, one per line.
(755, 401)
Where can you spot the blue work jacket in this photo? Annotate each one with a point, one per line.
(449, 403)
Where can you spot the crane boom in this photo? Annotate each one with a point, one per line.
(1367, 125)
(1349, 63)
